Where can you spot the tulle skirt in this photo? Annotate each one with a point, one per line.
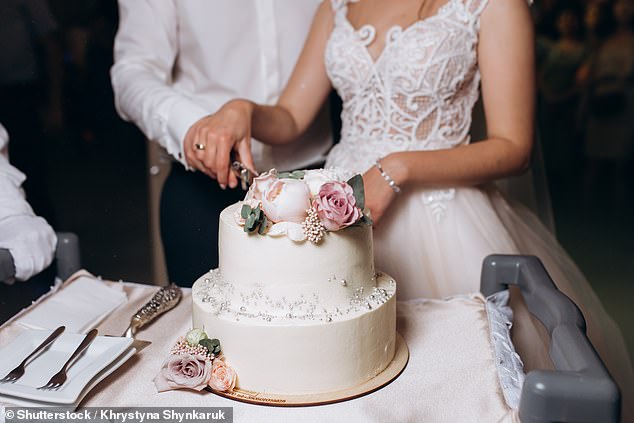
(433, 243)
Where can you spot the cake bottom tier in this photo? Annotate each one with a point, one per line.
(305, 357)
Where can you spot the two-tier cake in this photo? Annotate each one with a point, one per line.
(296, 301)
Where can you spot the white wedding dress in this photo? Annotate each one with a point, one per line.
(418, 94)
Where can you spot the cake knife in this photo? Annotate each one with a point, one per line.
(245, 176)
(164, 300)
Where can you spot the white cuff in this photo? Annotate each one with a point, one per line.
(31, 242)
(181, 116)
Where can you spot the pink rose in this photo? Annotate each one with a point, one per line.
(223, 377)
(261, 184)
(336, 205)
(183, 371)
(286, 200)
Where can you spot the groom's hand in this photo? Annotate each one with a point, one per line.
(210, 141)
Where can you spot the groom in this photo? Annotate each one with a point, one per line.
(179, 61)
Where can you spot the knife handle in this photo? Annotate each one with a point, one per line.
(164, 300)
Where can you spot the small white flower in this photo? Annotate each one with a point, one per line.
(294, 231)
(315, 178)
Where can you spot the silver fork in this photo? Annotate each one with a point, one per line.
(59, 378)
(18, 372)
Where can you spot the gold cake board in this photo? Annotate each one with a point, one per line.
(391, 372)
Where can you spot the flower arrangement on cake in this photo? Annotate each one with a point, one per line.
(303, 204)
(195, 362)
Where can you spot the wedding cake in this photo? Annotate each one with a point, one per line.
(296, 302)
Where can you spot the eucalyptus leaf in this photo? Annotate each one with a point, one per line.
(296, 174)
(250, 224)
(246, 210)
(356, 182)
(263, 225)
(207, 344)
(215, 344)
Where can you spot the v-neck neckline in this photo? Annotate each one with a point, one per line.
(369, 27)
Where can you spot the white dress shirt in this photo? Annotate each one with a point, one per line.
(28, 237)
(177, 61)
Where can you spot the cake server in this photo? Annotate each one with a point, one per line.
(164, 300)
(245, 176)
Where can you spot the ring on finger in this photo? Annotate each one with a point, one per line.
(199, 146)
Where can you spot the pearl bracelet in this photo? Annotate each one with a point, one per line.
(387, 178)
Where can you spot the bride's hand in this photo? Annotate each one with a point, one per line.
(209, 142)
(378, 194)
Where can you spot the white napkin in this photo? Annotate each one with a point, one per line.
(79, 306)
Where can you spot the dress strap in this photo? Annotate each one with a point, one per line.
(340, 5)
(475, 7)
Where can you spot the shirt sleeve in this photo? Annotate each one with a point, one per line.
(145, 50)
(29, 238)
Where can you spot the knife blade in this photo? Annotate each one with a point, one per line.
(163, 300)
(244, 175)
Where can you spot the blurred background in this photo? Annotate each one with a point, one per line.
(93, 174)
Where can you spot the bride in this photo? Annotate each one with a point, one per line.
(409, 73)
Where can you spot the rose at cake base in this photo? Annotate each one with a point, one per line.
(298, 314)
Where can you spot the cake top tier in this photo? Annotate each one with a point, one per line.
(303, 205)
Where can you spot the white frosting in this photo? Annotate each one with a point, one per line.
(280, 268)
(303, 356)
(298, 318)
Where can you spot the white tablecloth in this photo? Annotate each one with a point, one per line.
(451, 375)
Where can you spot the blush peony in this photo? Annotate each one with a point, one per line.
(336, 205)
(286, 200)
(261, 184)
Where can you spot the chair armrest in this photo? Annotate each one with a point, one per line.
(580, 389)
(67, 254)
(7, 266)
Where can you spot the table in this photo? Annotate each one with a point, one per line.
(451, 375)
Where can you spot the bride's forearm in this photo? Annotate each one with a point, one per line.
(273, 125)
(467, 165)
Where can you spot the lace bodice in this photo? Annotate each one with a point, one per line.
(416, 95)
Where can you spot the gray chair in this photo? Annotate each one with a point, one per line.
(67, 258)
(580, 388)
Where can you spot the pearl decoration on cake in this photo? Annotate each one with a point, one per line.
(216, 291)
(312, 226)
(182, 347)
